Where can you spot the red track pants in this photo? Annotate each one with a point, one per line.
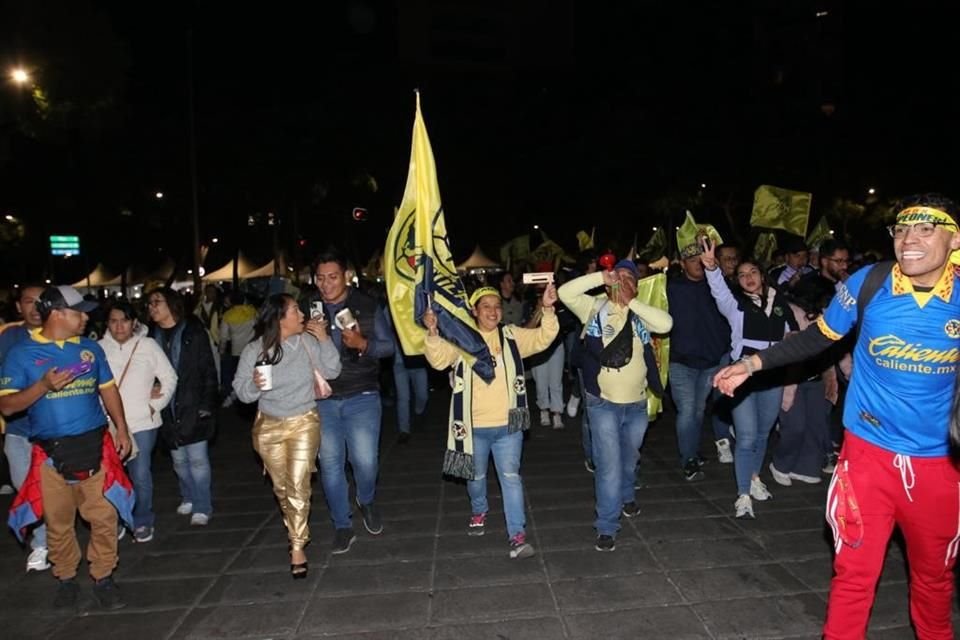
(920, 495)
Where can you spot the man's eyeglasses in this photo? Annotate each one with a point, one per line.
(921, 230)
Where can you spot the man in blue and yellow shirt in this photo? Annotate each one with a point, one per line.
(895, 466)
(60, 378)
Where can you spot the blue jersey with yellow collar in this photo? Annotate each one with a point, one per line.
(76, 408)
(905, 361)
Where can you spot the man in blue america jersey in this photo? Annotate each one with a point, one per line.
(895, 465)
(60, 378)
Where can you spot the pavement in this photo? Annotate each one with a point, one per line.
(683, 568)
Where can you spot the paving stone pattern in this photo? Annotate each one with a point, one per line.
(684, 568)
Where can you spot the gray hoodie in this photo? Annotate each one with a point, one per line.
(292, 393)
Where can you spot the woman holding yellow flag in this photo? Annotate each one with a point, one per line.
(489, 418)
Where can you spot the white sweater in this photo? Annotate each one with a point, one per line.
(148, 363)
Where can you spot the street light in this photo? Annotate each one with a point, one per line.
(20, 76)
(214, 240)
(159, 195)
(10, 218)
(871, 191)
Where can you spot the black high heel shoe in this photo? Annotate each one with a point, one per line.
(298, 571)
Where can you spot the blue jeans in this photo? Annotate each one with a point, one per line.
(506, 449)
(191, 462)
(617, 432)
(548, 377)
(18, 451)
(351, 430)
(690, 389)
(139, 470)
(754, 413)
(403, 378)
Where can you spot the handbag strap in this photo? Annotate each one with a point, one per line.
(129, 360)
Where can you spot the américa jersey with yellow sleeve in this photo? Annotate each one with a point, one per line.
(76, 408)
(905, 361)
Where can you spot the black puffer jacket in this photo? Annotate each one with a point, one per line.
(196, 385)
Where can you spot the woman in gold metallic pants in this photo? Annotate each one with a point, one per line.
(276, 370)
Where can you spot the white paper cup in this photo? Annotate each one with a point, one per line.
(266, 372)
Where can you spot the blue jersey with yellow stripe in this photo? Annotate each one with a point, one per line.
(904, 362)
(76, 408)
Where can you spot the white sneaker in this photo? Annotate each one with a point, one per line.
(199, 520)
(758, 490)
(807, 479)
(37, 560)
(724, 454)
(6, 490)
(573, 404)
(544, 418)
(185, 508)
(558, 421)
(780, 477)
(744, 507)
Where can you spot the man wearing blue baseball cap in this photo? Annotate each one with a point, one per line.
(616, 327)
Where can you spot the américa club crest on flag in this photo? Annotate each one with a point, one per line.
(419, 267)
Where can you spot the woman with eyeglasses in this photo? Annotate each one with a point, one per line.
(189, 421)
(276, 371)
(759, 317)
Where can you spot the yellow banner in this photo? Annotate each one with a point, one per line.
(585, 241)
(690, 233)
(764, 248)
(819, 234)
(776, 208)
(653, 291)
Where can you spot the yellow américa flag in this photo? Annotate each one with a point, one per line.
(776, 208)
(764, 248)
(652, 290)
(690, 232)
(418, 266)
(819, 234)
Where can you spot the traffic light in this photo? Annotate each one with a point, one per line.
(359, 214)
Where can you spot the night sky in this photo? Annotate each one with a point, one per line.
(563, 113)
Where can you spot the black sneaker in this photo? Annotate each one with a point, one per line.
(692, 471)
(108, 594)
(371, 518)
(67, 593)
(606, 543)
(342, 540)
(403, 438)
(631, 510)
